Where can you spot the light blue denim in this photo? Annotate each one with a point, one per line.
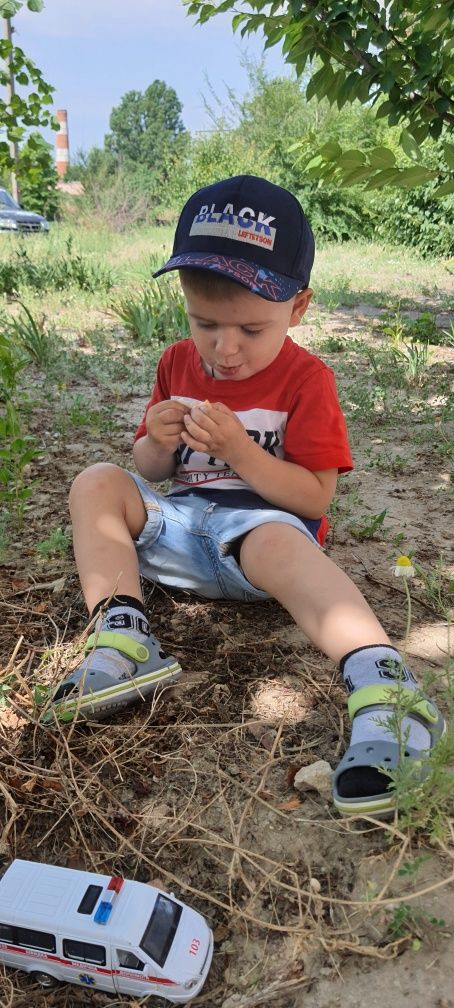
(186, 541)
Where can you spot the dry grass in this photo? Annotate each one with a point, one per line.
(204, 808)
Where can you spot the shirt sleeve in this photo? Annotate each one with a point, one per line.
(316, 433)
(160, 391)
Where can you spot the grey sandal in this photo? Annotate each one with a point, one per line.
(378, 756)
(90, 692)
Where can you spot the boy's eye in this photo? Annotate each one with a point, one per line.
(251, 332)
(206, 325)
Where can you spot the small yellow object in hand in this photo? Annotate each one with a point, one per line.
(404, 567)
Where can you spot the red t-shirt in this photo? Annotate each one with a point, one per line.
(290, 408)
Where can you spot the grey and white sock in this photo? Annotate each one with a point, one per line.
(122, 619)
(373, 665)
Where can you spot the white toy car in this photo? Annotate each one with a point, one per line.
(111, 934)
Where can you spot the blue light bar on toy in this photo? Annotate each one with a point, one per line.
(110, 893)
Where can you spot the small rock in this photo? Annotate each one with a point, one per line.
(316, 777)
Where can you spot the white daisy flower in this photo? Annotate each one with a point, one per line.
(403, 567)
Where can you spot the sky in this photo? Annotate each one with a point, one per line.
(94, 51)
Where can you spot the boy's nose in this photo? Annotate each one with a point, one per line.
(227, 345)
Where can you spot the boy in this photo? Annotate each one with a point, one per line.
(248, 426)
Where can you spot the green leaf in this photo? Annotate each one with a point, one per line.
(358, 174)
(416, 176)
(319, 82)
(448, 151)
(409, 146)
(351, 159)
(8, 8)
(35, 5)
(387, 82)
(315, 162)
(382, 178)
(444, 190)
(435, 20)
(381, 157)
(384, 110)
(330, 151)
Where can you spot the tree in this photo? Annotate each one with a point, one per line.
(146, 129)
(393, 55)
(37, 176)
(32, 109)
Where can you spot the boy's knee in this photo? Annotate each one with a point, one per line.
(97, 478)
(270, 542)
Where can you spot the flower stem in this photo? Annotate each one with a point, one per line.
(407, 632)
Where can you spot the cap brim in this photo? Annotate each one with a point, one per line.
(266, 283)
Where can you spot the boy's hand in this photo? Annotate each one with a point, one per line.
(165, 423)
(215, 429)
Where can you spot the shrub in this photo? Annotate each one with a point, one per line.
(70, 270)
(414, 217)
(156, 315)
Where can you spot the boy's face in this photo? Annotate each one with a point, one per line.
(238, 337)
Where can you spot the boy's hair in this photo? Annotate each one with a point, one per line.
(213, 286)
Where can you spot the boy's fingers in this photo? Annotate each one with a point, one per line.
(195, 430)
(190, 440)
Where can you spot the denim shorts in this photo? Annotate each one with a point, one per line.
(186, 543)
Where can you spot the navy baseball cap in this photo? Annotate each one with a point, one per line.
(249, 230)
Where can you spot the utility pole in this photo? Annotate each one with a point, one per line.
(14, 148)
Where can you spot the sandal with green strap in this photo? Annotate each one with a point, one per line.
(375, 757)
(91, 692)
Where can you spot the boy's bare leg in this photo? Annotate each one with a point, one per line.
(335, 617)
(107, 513)
(323, 600)
(127, 663)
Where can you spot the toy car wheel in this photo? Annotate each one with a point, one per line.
(44, 979)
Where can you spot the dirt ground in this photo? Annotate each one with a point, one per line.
(196, 790)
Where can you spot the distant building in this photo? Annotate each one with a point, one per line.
(62, 144)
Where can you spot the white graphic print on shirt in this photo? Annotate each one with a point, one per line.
(266, 427)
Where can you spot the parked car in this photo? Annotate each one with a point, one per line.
(13, 217)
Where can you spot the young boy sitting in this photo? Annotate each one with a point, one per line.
(248, 427)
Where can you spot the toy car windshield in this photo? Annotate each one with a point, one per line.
(160, 930)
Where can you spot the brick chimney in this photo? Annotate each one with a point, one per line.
(62, 144)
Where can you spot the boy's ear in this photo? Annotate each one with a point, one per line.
(300, 305)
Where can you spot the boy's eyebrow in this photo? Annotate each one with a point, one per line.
(202, 318)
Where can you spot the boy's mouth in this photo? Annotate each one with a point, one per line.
(228, 372)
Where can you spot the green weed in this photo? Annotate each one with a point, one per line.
(18, 451)
(332, 344)
(33, 336)
(12, 362)
(396, 465)
(156, 315)
(4, 537)
(408, 921)
(414, 358)
(367, 527)
(437, 588)
(56, 544)
(71, 269)
(423, 789)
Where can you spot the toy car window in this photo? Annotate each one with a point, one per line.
(6, 932)
(84, 951)
(129, 960)
(34, 939)
(160, 930)
(89, 899)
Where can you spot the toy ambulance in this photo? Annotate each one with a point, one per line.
(110, 934)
